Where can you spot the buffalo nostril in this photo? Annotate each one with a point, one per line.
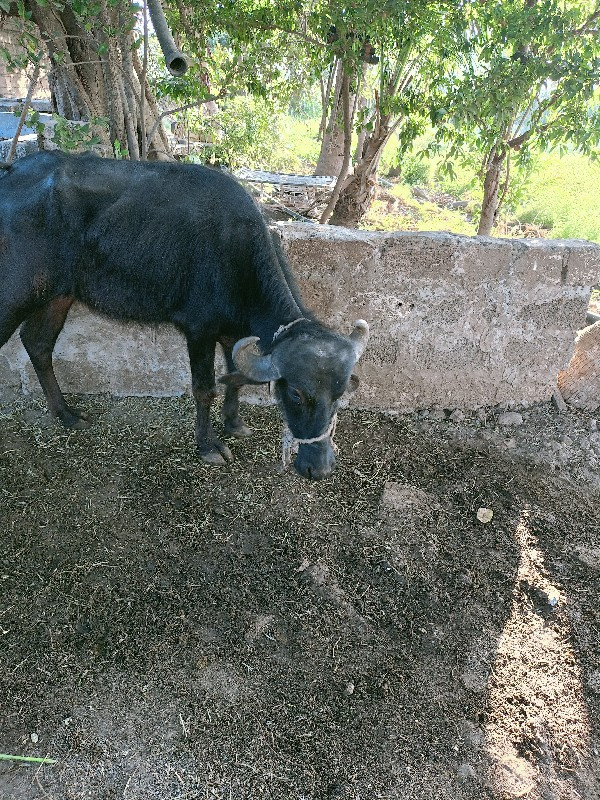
(309, 473)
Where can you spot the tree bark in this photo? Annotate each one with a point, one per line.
(491, 188)
(331, 157)
(96, 74)
(345, 96)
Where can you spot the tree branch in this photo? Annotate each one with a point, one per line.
(300, 34)
(26, 104)
(187, 106)
(142, 79)
(594, 16)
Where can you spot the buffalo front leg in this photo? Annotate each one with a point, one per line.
(39, 333)
(232, 422)
(202, 364)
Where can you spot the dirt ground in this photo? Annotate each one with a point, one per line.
(170, 631)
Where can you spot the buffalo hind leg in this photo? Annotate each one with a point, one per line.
(232, 422)
(39, 333)
(202, 365)
(9, 322)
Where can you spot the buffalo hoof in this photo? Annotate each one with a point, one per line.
(73, 420)
(217, 455)
(237, 429)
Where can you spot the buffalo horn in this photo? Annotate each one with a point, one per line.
(251, 364)
(360, 337)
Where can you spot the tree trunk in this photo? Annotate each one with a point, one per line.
(331, 157)
(359, 190)
(345, 95)
(362, 133)
(87, 84)
(491, 187)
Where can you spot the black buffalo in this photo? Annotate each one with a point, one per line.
(180, 244)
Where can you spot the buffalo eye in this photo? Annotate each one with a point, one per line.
(296, 396)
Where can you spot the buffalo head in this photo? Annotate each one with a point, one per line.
(311, 368)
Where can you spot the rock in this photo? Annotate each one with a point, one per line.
(457, 415)
(437, 414)
(485, 514)
(558, 401)
(552, 596)
(465, 772)
(510, 418)
(580, 382)
(593, 424)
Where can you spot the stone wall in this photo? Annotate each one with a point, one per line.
(456, 322)
(12, 84)
(16, 83)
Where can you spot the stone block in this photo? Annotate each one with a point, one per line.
(579, 384)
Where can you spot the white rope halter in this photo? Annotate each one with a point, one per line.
(283, 328)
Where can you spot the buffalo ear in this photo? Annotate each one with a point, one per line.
(235, 379)
(353, 384)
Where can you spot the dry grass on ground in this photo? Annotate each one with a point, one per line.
(176, 632)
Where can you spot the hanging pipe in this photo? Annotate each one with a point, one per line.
(177, 63)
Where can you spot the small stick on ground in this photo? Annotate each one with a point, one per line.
(27, 759)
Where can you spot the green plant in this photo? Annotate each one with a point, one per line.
(71, 136)
(414, 170)
(66, 134)
(536, 215)
(120, 151)
(244, 132)
(26, 759)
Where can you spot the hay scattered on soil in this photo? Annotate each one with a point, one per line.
(174, 631)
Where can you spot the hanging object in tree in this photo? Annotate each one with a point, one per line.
(177, 63)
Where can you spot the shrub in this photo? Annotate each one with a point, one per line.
(414, 170)
(244, 132)
(537, 216)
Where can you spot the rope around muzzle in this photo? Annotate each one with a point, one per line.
(290, 444)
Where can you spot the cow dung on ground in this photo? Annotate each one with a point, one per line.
(172, 631)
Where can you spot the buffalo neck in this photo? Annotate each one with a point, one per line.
(266, 324)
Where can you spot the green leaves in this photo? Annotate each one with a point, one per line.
(527, 81)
